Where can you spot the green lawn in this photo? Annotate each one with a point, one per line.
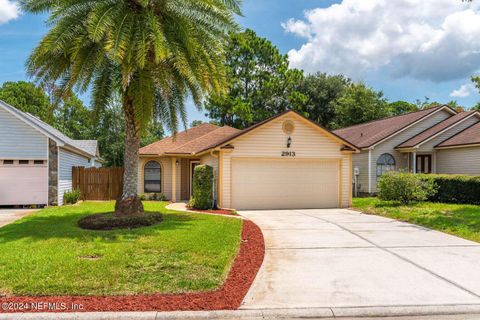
(47, 254)
(458, 219)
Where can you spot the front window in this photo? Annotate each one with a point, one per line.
(153, 177)
(385, 163)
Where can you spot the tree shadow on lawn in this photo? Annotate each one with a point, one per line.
(50, 226)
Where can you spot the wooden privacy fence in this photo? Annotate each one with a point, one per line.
(98, 183)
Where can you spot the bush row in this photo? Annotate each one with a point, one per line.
(454, 188)
(408, 187)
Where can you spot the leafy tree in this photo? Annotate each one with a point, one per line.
(151, 53)
(260, 83)
(401, 107)
(74, 119)
(360, 104)
(27, 97)
(321, 92)
(195, 123)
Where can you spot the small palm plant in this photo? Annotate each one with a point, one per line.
(153, 53)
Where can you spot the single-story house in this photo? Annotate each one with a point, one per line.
(36, 160)
(284, 162)
(435, 140)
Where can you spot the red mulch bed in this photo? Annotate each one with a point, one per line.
(228, 297)
(218, 211)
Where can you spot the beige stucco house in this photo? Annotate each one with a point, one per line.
(435, 140)
(284, 162)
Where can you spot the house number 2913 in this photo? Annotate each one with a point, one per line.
(288, 153)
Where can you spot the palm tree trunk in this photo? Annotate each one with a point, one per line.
(129, 203)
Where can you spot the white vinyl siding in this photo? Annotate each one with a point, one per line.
(429, 145)
(360, 160)
(268, 142)
(68, 160)
(401, 159)
(18, 140)
(459, 161)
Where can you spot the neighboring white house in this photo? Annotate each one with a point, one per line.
(36, 160)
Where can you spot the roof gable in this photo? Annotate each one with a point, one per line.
(469, 136)
(54, 134)
(436, 129)
(296, 114)
(368, 134)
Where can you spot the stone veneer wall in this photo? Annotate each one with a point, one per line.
(52, 173)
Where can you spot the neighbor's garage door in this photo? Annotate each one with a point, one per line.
(23, 184)
(285, 184)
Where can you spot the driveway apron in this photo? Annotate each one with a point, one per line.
(342, 258)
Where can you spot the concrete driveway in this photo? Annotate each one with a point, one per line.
(10, 215)
(339, 258)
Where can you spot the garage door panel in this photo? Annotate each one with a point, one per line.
(23, 185)
(285, 183)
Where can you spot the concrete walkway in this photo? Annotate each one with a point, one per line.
(10, 215)
(343, 260)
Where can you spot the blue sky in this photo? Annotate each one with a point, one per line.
(409, 49)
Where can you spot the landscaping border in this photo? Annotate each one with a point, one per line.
(228, 297)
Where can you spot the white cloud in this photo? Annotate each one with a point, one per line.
(9, 10)
(425, 39)
(464, 91)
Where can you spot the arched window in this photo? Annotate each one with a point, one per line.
(152, 177)
(385, 163)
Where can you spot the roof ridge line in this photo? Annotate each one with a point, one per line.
(390, 117)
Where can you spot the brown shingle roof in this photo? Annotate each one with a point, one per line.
(367, 134)
(469, 136)
(189, 141)
(430, 132)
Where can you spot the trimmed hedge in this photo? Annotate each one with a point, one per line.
(405, 187)
(454, 188)
(202, 197)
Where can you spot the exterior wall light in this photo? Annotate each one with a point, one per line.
(289, 142)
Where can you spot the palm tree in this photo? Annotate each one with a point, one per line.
(153, 53)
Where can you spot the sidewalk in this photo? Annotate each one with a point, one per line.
(464, 312)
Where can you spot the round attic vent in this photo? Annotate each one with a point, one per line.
(288, 126)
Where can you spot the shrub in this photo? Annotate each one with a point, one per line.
(405, 187)
(202, 197)
(455, 188)
(71, 197)
(108, 221)
(153, 197)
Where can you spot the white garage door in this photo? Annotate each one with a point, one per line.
(23, 184)
(285, 184)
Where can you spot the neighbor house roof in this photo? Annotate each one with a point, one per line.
(190, 141)
(469, 136)
(84, 146)
(430, 132)
(370, 133)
